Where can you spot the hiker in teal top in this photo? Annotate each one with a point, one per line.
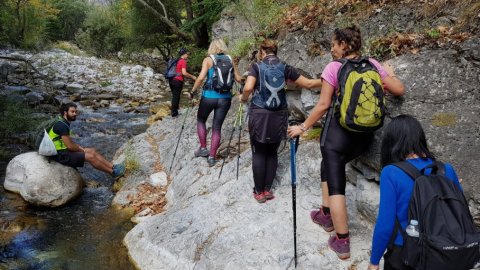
(220, 72)
(72, 154)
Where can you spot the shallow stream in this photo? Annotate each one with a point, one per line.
(86, 233)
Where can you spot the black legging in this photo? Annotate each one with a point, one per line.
(341, 146)
(176, 87)
(220, 106)
(264, 164)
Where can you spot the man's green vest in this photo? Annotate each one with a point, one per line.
(57, 139)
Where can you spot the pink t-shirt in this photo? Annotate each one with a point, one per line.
(330, 73)
(180, 64)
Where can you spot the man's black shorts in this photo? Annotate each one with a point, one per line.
(72, 159)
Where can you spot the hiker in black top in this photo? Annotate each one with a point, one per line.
(268, 114)
(72, 154)
(341, 145)
(176, 83)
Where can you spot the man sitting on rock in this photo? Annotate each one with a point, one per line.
(72, 154)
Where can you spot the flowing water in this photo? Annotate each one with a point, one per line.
(86, 233)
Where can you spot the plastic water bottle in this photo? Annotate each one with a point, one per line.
(412, 228)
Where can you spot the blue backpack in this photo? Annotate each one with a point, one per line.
(171, 70)
(271, 93)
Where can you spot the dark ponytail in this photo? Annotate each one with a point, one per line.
(352, 38)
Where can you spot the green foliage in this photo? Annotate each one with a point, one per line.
(71, 15)
(433, 33)
(196, 58)
(242, 47)
(313, 134)
(105, 83)
(102, 33)
(209, 12)
(15, 118)
(68, 47)
(131, 160)
(23, 23)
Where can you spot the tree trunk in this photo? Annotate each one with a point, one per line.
(203, 36)
(171, 25)
(190, 17)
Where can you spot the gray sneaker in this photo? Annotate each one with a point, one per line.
(211, 161)
(202, 152)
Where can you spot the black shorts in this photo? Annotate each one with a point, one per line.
(72, 159)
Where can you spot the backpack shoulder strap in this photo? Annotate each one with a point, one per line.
(213, 59)
(408, 168)
(396, 228)
(229, 57)
(437, 168)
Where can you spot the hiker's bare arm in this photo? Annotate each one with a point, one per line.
(308, 83)
(206, 64)
(238, 78)
(318, 111)
(186, 74)
(248, 88)
(392, 84)
(71, 146)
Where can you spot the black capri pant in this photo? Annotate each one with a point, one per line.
(341, 146)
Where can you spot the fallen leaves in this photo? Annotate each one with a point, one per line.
(148, 196)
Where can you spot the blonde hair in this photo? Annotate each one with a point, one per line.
(217, 46)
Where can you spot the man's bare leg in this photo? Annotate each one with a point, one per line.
(98, 161)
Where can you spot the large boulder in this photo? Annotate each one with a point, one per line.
(42, 182)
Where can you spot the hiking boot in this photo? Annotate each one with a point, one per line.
(260, 197)
(268, 195)
(118, 170)
(211, 161)
(323, 220)
(340, 246)
(202, 152)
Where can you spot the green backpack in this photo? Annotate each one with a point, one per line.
(37, 136)
(360, 103)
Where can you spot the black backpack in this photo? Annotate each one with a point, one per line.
(171, 71)
(448, 238)
(223, 77)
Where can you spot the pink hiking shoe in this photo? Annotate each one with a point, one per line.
(340, 246)
(259, 197)
(268, 195)
(323, 220)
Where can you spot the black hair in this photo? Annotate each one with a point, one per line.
(66, 106)
(404, 135)
(352, 38)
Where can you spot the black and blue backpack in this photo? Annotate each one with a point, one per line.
(271, 92)
(223, 77)
(171, 71)
(448, 237)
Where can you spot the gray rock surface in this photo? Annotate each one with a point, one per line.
(41, 182)
(213, 223)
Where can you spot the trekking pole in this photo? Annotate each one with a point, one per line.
(240, 127)
(235, 123)
(293, 173)
(180, 135)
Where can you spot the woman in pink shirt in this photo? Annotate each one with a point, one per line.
(341, 145)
